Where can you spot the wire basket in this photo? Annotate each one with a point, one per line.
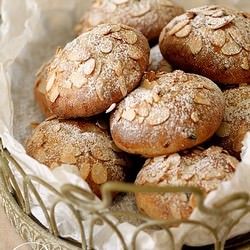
(15, 200)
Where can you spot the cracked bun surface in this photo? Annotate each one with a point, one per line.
(148, 16)
(211, 41)
(168, 113)
(81, 144)
(204, 169)
(95, 70)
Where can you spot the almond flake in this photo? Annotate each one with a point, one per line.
(208, 86)
(50, 82)
(111, 108)
(246, 46)
(140, 119)
(134, 52)
(140, 9)
(178, 26)
(146, 84)
(195, 45)
(142, 109)
(85, 170)
(195, 117)
(122, 85)
(218, 38)
(119, 1)
(89, 66)
(41, 87)
(224, 130)
(130, 37)
(118, 68)
(68, 157)
(99, 89)
(158, 116)
(217, 23)
(106, 45)
(77, 79)
(231, 48)
(245, 64)
(99, 173)
(199, 99)
(101, 153)
(129, 115)
(67, 84)
(184, 32)
(236, 35)
(218, 13)
(54, 93)
(156, 97)
(116, 28)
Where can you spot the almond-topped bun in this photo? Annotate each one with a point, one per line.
(236, 121)
(157, 62)
(40, 89)
(95, 70)
(80, 144)
(204, 169)
(148, 16)
(167, 113)
(211, 41)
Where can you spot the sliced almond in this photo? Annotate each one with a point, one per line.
(129, 115)
(130, 37)
(218, 38)
(50, 82)
(217, 23)
(146, 84)
(85, 170)
(101, 153)
(54, 93)
(195, 117)
(116, 28)
(111, 108)
(77, 79)
(231, 48)
(67, 84)
(99, 173)
(224, 130)
(200, 99)
(165, 3)
(178, 26)
(195, 45)
(122, 85)
(100, 89)
(236, 35)
(119, 1)
(158, 116)
(245, 64)
(156, 97)
(134, 52)
(89, 66)
(142, 109)
(68, 157)
(140, 9)
(184, 32)
(106, 45)
(118, 68)
(41, 87)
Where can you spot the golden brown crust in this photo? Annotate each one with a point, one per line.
(211, 41)
(148, 16)
(40, 89)
(205, 169)
(236, 121)
(167, 113)
(81, 144)
(96, 70)
(157, 62)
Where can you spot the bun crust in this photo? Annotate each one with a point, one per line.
(148, 16)
(167, 113)
(210, 41)
(204, 169)
(95, 70)
(236, 121)
(81, 144)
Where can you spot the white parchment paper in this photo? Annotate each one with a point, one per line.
(29, 34)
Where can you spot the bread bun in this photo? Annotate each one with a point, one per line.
(167, 113)
(211, 41)
(96, 70)
(204, 169)
(236, 121)
(148, 16)
(81, 144)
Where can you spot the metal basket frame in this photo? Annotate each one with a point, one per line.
(16, 202)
